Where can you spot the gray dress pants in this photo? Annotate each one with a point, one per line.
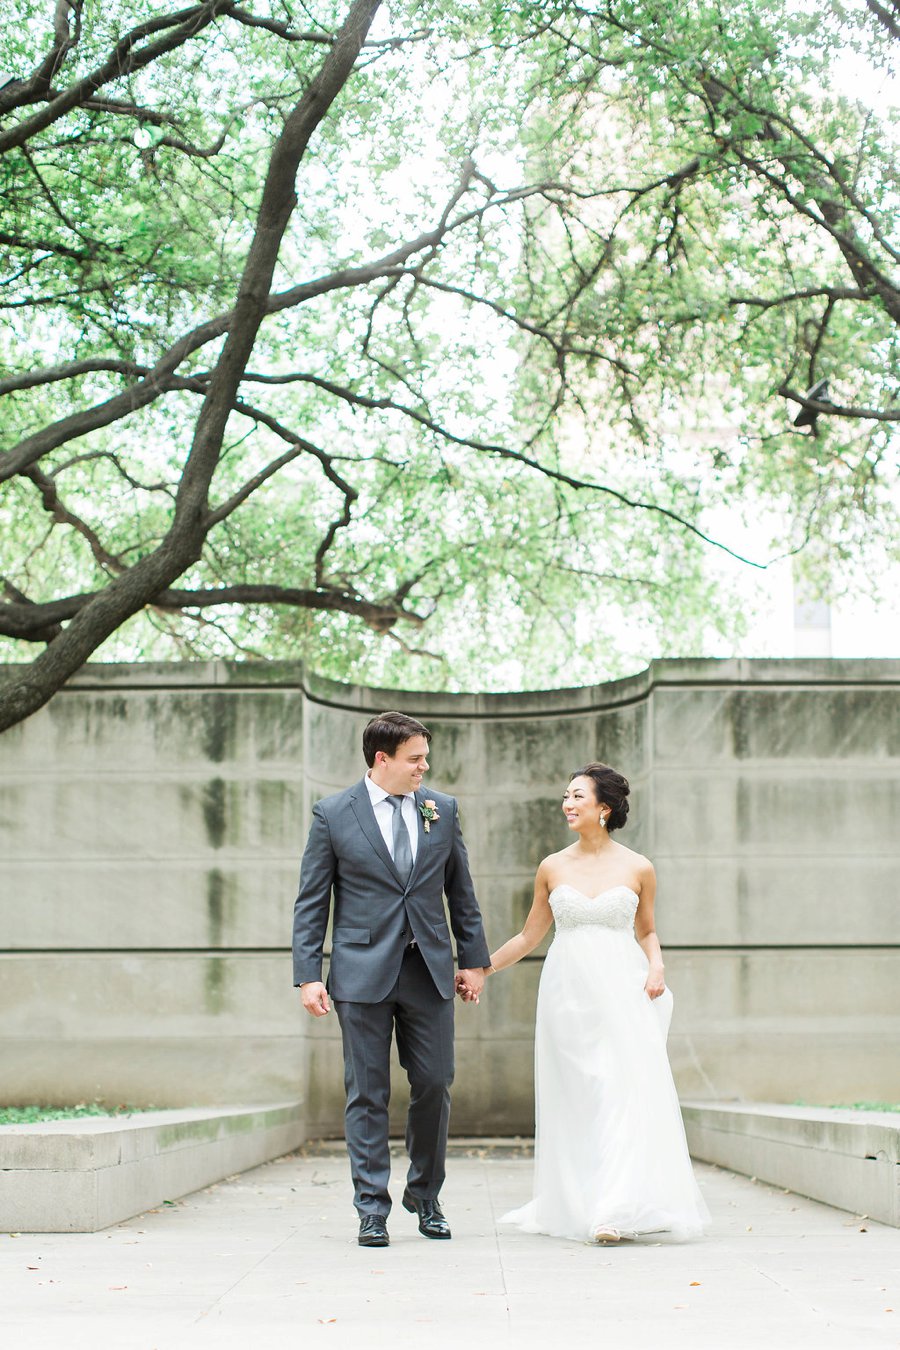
(423, 1022)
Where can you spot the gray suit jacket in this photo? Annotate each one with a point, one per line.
(375, 913)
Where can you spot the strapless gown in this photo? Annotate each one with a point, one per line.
(610, 1148)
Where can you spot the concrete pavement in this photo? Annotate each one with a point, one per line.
(269, 1259)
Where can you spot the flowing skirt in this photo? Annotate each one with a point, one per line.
(610, 1148)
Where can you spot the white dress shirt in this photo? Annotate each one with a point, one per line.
(384, 815)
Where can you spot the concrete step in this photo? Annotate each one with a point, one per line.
(76, 1176)
(848, 1159)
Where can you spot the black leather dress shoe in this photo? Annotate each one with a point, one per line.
(432, 1223)
(373, 1231)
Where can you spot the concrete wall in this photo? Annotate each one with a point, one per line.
(152, 818)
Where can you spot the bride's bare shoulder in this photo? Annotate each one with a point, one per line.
(549, 868)
(554, 857)
(642, 867)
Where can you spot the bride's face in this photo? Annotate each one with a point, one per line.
(580, 807)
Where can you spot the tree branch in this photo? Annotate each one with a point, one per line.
(63, 41)
(282, 30)
(811, 293)
(69, 370)
(562, 346)
(28, 621)
(45, 246)
(300, 446)
(717, 90)
(884, 17)
(50, 500)
(838, 409)
(867, 274)
(506, 452)
(124, 59)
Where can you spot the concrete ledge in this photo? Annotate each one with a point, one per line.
(849, 1159)
(75, 1176)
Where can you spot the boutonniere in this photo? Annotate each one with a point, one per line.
(428, 812)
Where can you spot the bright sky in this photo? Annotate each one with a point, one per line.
(860, 625)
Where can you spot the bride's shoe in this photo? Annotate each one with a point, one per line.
(606, 1233)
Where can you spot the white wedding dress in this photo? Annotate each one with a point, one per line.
(610, 1149)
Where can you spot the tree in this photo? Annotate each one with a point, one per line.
(449, 371)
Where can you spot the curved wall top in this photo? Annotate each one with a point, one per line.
(664, 671)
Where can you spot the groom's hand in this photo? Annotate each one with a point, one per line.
(315, 998)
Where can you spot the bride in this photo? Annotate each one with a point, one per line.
(611, 1159)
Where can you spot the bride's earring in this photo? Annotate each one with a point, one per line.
(603, 822)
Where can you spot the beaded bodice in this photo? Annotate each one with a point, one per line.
(613, 908)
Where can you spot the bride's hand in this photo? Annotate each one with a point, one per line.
(656, 983)
(464, 988)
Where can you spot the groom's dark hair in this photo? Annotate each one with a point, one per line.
(388, 731)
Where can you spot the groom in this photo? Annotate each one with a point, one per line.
(389, 851)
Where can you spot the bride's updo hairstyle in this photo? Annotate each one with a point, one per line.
(609, 787)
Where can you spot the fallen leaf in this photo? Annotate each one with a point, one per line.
(695, 1284)
(117, 1286)
(32, 1267)
(326, 1320)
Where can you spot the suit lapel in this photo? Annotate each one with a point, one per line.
(362, 808)
(423, 838)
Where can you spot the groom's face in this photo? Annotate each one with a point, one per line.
(403, 771)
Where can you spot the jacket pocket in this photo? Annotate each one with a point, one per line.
(441, 931)
(361, 935)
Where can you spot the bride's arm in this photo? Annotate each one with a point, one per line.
(645, 932)
(536, 926)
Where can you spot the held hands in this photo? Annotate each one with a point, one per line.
(655, 983)
(315, 998)
(469, 984)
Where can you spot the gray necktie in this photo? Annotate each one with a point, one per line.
(402, 846)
